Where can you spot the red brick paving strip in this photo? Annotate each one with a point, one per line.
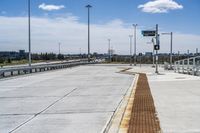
(143, 116)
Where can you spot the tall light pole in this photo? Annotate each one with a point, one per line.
(131, 37)
(171, 46)
(29, 32)
(59, 44)
(135, 58)
(178, 55)
(197, 51)
(153, 51)
(88, 7)
(109, 50)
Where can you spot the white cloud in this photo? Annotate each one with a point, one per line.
(160, 6)
(3, 12)
(47, 32)
(45, 7)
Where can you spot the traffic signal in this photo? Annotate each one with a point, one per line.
(156, 47)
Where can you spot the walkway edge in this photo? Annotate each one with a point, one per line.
(122, 113)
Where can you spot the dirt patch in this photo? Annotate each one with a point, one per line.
(143, 117)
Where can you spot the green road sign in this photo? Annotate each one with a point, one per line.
(149, 33)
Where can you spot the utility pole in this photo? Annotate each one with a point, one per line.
(131, 37)
(29, 32)
(157, 43)
(88, 7)
(135, 58)
(109, 50)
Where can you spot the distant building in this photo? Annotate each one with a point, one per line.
(22, 54)
(13, 54)
(148, 53)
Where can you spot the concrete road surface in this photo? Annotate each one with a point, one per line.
(77, 100)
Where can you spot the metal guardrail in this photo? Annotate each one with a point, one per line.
(188, 66)
(14, 71)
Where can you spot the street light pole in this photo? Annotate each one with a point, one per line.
(88, 7)
(59, 47)
(171, 47)
(29, 31)
(131, 36)
(109, 50)
(197, 51)
(153, 51)
(135, 58)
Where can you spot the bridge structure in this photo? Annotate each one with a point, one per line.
(100, 98)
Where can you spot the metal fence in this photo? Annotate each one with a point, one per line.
(188, 66)
(14, 71)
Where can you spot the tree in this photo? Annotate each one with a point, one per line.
(2, 60)
(61, 57)
(9, 60)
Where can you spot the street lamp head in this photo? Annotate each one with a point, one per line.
(88, 6)
(167, 33)
(135, 25)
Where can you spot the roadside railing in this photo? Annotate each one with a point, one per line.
(188, 66)
(14, 71)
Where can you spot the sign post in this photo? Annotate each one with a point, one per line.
(154, 33)
(157, 47)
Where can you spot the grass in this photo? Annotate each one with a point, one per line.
(19, 62)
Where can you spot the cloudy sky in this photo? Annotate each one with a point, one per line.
(65, 22)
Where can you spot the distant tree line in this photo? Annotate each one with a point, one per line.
(35, 56)
(144, 59)
(47, 56)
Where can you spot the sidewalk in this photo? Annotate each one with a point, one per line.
(177, 100)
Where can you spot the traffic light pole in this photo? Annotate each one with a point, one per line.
(157, 43)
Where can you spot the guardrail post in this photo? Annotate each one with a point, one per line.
(194, 66)
(188, 63)
(11, 73)
(183, 62)
(178, 66)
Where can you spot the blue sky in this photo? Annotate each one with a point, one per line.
(184, 20)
